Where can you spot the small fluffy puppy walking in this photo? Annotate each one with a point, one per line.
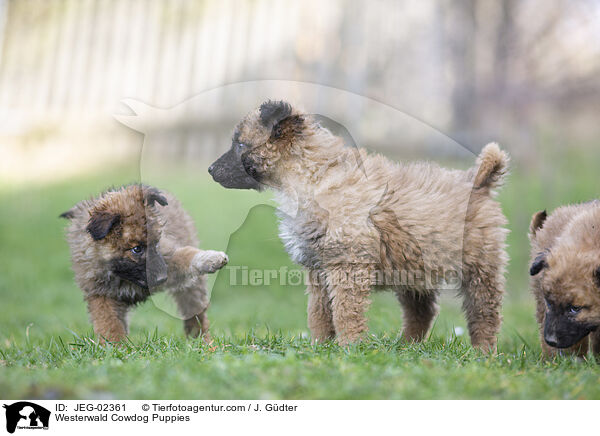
(130, 242)
(356, 220)
(565, 277)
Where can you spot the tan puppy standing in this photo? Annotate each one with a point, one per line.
(130, 242)
(351, 218)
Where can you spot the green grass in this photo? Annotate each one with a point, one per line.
(261, 345)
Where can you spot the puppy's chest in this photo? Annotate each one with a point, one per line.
(314, 242)
(300, 242)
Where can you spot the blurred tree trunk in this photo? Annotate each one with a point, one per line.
(3, 14)
(504, 38)
(462, 61)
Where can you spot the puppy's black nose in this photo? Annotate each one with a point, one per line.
(210, 169)
(551, 340)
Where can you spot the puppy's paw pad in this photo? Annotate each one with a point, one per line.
(209, 261)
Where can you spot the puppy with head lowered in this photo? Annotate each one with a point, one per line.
(130, 242)
(565, 277)
(357, 221)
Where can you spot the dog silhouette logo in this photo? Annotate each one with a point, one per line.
(26, 415)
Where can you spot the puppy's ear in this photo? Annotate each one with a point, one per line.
(272, 112)
(539, 264)
(155, 196)
(288, 128)
(538, 221)
(101, 223)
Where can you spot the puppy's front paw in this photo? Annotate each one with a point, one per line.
(209, 261)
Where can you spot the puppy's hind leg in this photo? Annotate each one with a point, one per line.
(419, 312)
(109, 318)
(482, 303)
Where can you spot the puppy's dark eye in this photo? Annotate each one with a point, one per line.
(241, 145)
(138, 249)
(574, 310)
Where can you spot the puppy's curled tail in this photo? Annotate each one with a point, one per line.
(493, 166)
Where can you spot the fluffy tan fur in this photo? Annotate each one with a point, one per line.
(108, 296)
(569, 240)
(349, 217)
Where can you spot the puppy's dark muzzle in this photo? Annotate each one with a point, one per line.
(159, 279)
(229, 172)
(156, 268)
(250, 167)
(561, 332)
(551, 340)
